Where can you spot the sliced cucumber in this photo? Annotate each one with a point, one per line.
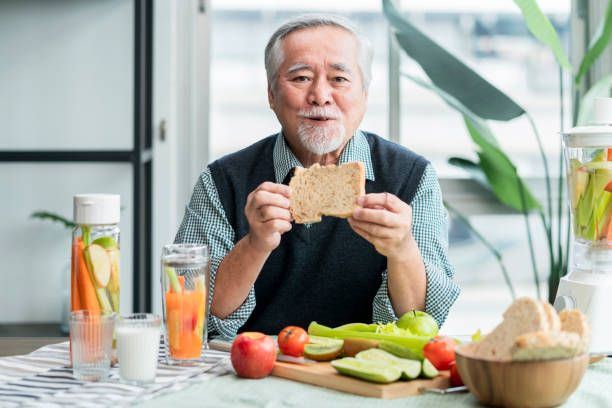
(410, 368)
(367, 370)
(429, 371)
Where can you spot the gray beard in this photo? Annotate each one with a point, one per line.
(320, 140)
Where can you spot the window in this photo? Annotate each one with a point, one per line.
(493, 40)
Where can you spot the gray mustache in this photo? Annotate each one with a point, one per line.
(315, 113)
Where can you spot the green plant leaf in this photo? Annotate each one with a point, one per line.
(543, 30)
(466, 164)
(601, 88)
(598, 44)
(501, 173)
(478, 123)
(472, 168)
(45, 215)
(448, 73)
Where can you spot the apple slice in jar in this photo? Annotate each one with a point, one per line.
(100, 264)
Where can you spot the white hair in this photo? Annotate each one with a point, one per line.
(274, 52)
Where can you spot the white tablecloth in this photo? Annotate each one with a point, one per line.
(43, 378)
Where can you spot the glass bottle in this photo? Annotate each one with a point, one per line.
(94, 278)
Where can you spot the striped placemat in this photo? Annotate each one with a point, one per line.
(43, 378)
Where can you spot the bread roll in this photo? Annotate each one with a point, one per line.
(554, 323)
(532, 330)
(525, 315)
(545, 345)
(575, 321)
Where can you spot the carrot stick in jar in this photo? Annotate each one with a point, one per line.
(74, 289)
(87, 292)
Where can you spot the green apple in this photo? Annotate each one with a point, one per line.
(419, 323)
(114, 255)
(113, 283)
(100, 264)
(106, 242)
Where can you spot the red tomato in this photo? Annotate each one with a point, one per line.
(440, 351)
(291, 340)
(454, 375)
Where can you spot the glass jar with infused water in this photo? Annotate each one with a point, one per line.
(94, 280)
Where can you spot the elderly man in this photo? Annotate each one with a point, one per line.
(387, 259)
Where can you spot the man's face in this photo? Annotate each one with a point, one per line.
(318, 97)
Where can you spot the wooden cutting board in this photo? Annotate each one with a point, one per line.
(324, 375)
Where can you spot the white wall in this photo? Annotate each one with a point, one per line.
(66, 82)
(66, 74)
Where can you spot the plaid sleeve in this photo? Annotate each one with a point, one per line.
(205, 222)
(430, 231)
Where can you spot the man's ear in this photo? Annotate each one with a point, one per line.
(270, 97)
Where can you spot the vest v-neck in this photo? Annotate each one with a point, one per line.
(326, 272)
(309, 232)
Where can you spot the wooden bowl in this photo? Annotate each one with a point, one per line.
(543, 383)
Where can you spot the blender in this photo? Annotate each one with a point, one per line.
(588, 284)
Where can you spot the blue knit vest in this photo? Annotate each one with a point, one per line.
(325, 273)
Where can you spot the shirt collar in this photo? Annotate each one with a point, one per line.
(357, 149)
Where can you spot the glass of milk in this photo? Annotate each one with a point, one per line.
(138, 340)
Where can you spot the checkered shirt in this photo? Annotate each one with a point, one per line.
(205, 222)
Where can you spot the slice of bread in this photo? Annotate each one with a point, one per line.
(525, 315)
(575, 321)
(326, 190)
(545, 345)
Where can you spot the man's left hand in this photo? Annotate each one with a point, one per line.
(386, 222)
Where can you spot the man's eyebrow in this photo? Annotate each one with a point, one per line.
(297, 67)
(341, 67)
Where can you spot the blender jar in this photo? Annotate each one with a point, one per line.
(588, 159)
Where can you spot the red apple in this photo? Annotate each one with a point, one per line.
(253, 354)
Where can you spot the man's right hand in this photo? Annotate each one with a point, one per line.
(267, 211)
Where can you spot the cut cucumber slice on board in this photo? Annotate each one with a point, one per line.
(367, 370)
(429, 371)
(410, 368)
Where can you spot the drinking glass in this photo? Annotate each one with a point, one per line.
(91, 336)
(185, 279)
(138, 337)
